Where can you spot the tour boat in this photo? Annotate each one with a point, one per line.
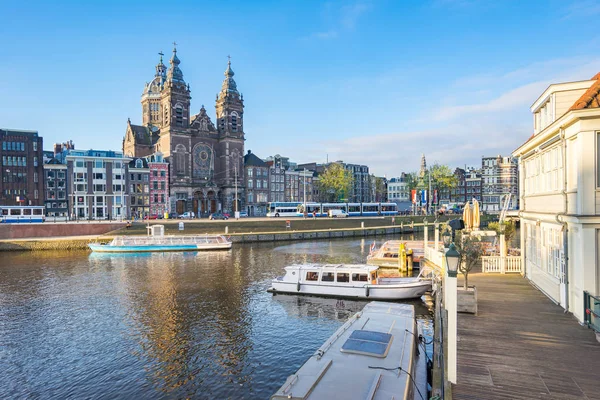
(359, 281)
(372, 356)
(159, 242)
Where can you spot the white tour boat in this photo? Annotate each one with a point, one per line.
(372, 356)
(358, 281)
(159, 242)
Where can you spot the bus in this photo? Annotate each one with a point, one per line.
(282, 209)
(19, 214)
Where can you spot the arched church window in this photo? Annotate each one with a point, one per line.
(180, 159)
(179, 115)
(233, 123)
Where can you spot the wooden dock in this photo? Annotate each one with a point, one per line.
(523, 346)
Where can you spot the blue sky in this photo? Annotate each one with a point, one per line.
(371, 82)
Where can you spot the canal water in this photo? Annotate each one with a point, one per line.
(165, 325)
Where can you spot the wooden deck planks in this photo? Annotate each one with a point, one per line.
(523, 346)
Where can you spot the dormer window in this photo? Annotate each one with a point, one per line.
(138, 163)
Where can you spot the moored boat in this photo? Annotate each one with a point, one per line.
(371, 356)
(159, 242)
(389, 254)
(359, 281)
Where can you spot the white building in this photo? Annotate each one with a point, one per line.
(559, 173)
(398, 192)
(97, 184)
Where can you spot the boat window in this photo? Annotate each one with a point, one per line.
(343, 277)
(359, 277)
(327, 277)
(312, 276)
(369, 343)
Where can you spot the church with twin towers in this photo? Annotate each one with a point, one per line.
(205, 159)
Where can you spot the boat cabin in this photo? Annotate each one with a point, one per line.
(328, 273)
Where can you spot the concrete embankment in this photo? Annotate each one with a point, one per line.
(81, 242)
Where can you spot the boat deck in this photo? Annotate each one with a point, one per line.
(523, 346)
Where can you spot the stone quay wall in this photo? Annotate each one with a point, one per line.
(47, 230)
(81, 243)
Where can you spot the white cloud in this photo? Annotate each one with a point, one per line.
(344, 17)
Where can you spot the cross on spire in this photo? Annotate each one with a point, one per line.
(228, 59)
(160, 53)
(175, 47)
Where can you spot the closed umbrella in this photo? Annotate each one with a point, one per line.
(468, 217)
(476, 215)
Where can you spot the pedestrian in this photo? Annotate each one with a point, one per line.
(314, 214)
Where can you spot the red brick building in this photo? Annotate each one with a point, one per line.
(159, 184)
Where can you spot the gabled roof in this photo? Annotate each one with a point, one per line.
(591, 98)
(251, 160)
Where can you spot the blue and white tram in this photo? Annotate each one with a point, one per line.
(311, 209)
(389, 209)
(354, 209)
(370, 209)
(20, 214)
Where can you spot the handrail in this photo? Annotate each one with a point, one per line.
(591, 312)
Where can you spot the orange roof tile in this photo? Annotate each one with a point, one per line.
(591, 98)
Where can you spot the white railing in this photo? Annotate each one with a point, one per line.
(502, 265)
(434, 256)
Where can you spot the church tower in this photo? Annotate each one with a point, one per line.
(230, 129)
(151, 97)
(175, 98)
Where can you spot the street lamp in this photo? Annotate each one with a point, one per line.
(447, 238)
(452, 259)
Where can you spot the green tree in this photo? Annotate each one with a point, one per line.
(380, 189)
(442, 177)
(412, 180)
(471, 250)
(334, 183)
(510, 229)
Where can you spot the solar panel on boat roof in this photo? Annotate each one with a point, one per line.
(368, 343)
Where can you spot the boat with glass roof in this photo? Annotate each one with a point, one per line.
(159, 242)
(374, 355)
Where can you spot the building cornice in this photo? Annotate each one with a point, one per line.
(563, 122)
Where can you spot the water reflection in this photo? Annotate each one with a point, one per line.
(172, 325)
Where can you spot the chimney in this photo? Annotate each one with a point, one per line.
(57, 148)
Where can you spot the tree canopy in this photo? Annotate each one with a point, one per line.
(442, 177)
(334, 183)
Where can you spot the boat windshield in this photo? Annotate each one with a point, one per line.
(168, 240)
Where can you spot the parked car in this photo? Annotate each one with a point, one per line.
(218, 215)
(155, 216)
(187, 215)
(173, 215)
(243, 214)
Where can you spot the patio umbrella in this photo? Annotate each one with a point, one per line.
(476, 215)
(468, 217)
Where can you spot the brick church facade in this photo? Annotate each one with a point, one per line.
(205, 160)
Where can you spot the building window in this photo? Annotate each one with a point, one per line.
(34, 146)
(250, 171)
(233, 123)
(139, 163)
(250, 183)
(35, 177)
(179, 115)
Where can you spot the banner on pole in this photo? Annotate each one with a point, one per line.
(423, 196)
(414, 196)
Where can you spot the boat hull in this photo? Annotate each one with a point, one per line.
(156, 248)
(368, 291)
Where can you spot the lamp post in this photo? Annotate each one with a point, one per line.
(450, 300)
(447, 238)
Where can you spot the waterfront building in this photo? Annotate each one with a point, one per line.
(559, 173)
(360, 192)
(22, 168)
(55, 188)
(398, 192)
(97, 184)
(499, 180)
(159, 184)
(139, 188)
(257, 185)
(276, 179)
(206, 159)
(473, 185)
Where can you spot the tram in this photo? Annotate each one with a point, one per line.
(21, 214)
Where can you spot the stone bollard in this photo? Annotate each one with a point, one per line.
(362, 224)
(226, 230)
